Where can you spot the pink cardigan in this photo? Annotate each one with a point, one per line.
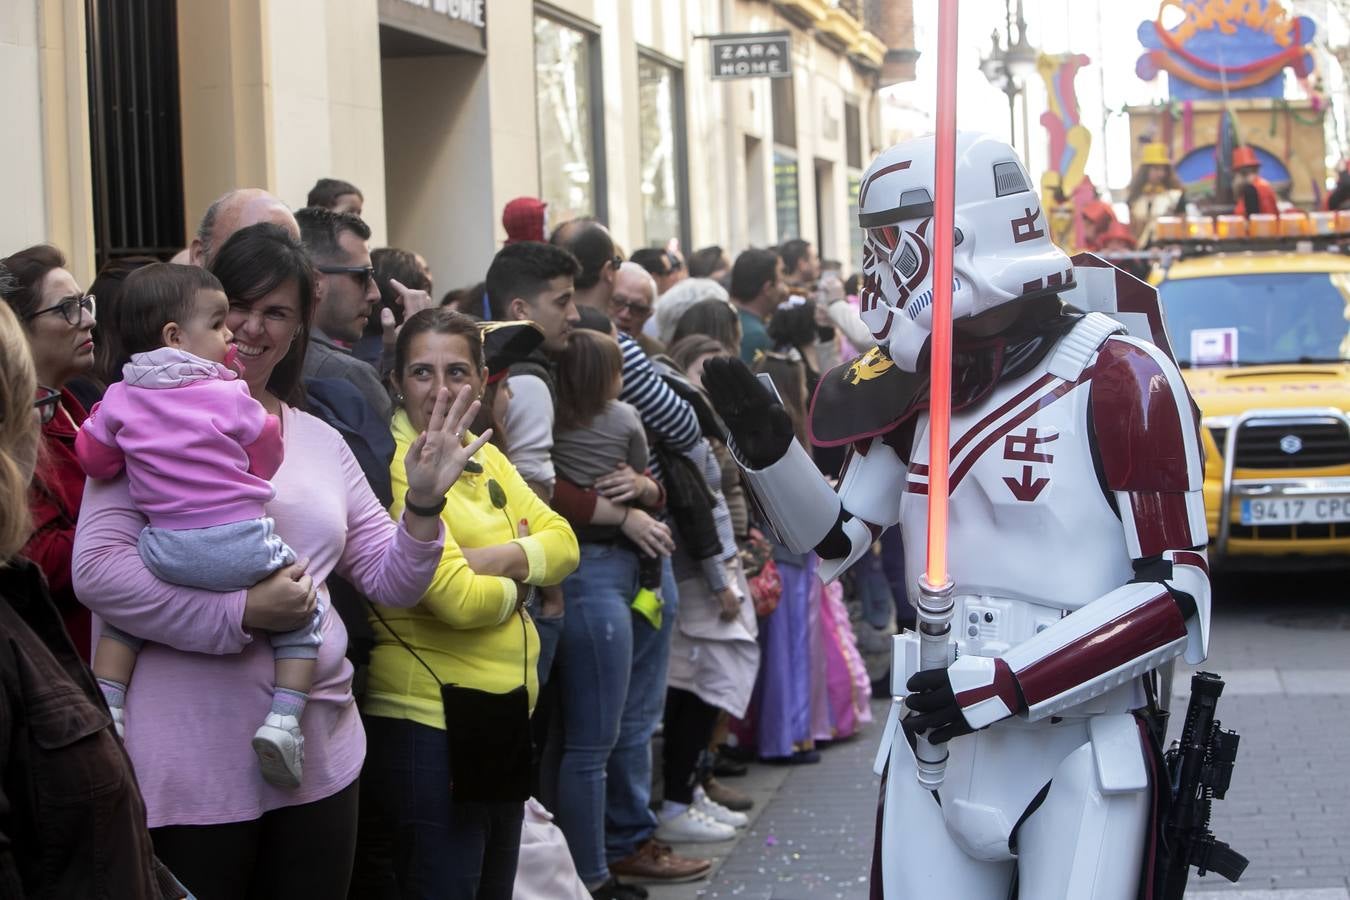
(204, 685)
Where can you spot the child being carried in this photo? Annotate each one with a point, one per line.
(597, 434)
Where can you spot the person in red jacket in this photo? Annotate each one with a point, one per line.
(58, 320)
(1254, 193)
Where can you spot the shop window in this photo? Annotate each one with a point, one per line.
(853, 136)
(786, 200)
(135, 128)
(855, 234)
(568, 108)
(784, 112)
(663, 169)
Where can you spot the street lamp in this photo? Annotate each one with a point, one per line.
(1009, 68)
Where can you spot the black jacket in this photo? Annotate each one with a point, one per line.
(72, 821)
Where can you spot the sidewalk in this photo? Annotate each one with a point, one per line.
(810, 834)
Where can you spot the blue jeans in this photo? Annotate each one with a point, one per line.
(550, 630)
(874, 590)
(595, 658)
(893, 564)
(629, 820)
(442, 849)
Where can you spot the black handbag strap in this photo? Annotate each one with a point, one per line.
(524, 641)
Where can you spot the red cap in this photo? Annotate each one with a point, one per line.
(1245, 158)
(1099, 213)
(1118, 233)
(523, 219)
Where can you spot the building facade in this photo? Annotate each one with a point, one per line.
(136, 114)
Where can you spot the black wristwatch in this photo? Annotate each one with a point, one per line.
(430, 512)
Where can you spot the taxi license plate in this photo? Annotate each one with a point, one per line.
(1294, 510)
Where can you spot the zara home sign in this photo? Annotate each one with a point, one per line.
(764, 55)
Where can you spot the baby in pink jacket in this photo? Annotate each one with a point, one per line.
(199, 453)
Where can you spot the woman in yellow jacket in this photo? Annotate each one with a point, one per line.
(472, 628)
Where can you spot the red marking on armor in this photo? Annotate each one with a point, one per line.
(1054, 279)
(1024, 228)
(1006, 427)
(1004, 687)
(1161, 520)
(1026, 489)
(861, 447)
(885, 328)
(1153, 624)
(915, 487)
(923, 226)
(1029, 287)
(1137, 420)
(1191, 558)
(1022, 447)
(918, 469)
(867, 183)
(979, 426)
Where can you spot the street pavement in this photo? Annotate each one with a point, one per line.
(1282, 644)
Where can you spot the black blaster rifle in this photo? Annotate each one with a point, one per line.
(1199, 768)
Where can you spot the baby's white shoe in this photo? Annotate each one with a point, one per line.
(281, 750)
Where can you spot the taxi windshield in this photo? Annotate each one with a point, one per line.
(1259, 318)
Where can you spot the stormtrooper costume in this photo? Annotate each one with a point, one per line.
(1076, 536)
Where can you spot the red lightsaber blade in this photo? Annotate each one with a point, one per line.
(935, 588)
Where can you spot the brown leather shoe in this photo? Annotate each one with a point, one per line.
(726, 796)
(655, 861)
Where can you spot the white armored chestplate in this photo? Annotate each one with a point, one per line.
(1032, 536)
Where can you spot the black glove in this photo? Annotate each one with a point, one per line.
(933, 707)
(759, 425)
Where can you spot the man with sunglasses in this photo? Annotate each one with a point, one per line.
(347, 294)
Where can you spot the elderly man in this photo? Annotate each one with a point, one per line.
(233, 211)
(634, 297)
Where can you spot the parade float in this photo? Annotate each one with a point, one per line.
(1226, 63)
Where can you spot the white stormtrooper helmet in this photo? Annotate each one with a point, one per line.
(1003, 250)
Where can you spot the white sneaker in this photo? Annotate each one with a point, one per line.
(693, 827)
(281, 750)
(117, 721)
(717, 812)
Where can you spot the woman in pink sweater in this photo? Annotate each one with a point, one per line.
(202, 680)
(204, 493)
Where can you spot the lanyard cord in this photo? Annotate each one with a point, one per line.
(525, 661)
(524, 632)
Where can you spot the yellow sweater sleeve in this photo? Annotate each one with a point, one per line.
(458, 596)
(551, 547)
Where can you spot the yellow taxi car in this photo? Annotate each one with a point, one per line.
(1264, 345)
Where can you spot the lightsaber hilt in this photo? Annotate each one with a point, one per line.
(935, 652)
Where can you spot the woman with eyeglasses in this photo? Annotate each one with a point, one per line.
(73, 820)
(58, 320)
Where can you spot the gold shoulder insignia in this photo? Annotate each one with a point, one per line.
(871, 364)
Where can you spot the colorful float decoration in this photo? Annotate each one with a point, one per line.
(1225, 62)
(1226, 48)
(1065, 187)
